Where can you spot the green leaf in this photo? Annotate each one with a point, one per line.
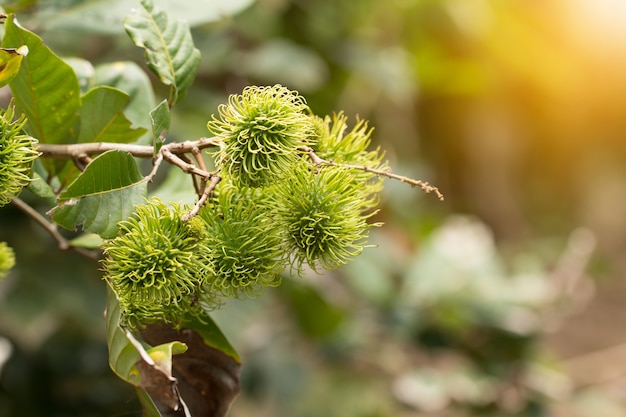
(46, 88)
(10, 60)
(212, 336)
(102, 118)
(123, 355)
(131, 79)
(194, 367)
(207, 373)
(106, 16)
(160, 118)
(150, 409)
(103, 195)
(87, 240)
(168, 46)
(133, 361)
(40, 188)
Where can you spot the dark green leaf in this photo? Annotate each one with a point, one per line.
(45, 88)
(102, 118)
(160, 118)
(103, 195)
(168, 46)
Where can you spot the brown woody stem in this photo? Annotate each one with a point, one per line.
(425, 186)
(79, 150)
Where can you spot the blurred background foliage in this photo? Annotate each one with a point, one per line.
(504, 300)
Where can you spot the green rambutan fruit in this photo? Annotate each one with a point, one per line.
(158, 264)
(17, 153)
(262, 130)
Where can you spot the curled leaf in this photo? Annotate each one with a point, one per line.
(207, 373)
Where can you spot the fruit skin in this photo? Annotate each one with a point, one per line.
(335, 142)
(325, 216)
(17, 153)
(247, 246)
(325, 209)
(158, 265)
(262, 130)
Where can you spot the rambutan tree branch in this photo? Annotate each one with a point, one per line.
(209, 186)
(425, 186)
(172, 153)
(80, 150)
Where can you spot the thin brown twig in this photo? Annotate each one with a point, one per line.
(208, 189)
(425, 186)
(197, 154)
(51, 228)
(209, 178)
(155, 167)
(185, 166)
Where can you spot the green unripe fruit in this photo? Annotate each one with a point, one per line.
(247, 246)
(262, 129)
(336, 143)
(158, 264)
(7, 259)
(325, 216)
(17, 153)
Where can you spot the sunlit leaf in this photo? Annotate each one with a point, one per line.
(10, 60)
(168, 46)
(103, 195)
(102, 117)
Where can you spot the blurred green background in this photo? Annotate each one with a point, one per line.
(505, 300)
